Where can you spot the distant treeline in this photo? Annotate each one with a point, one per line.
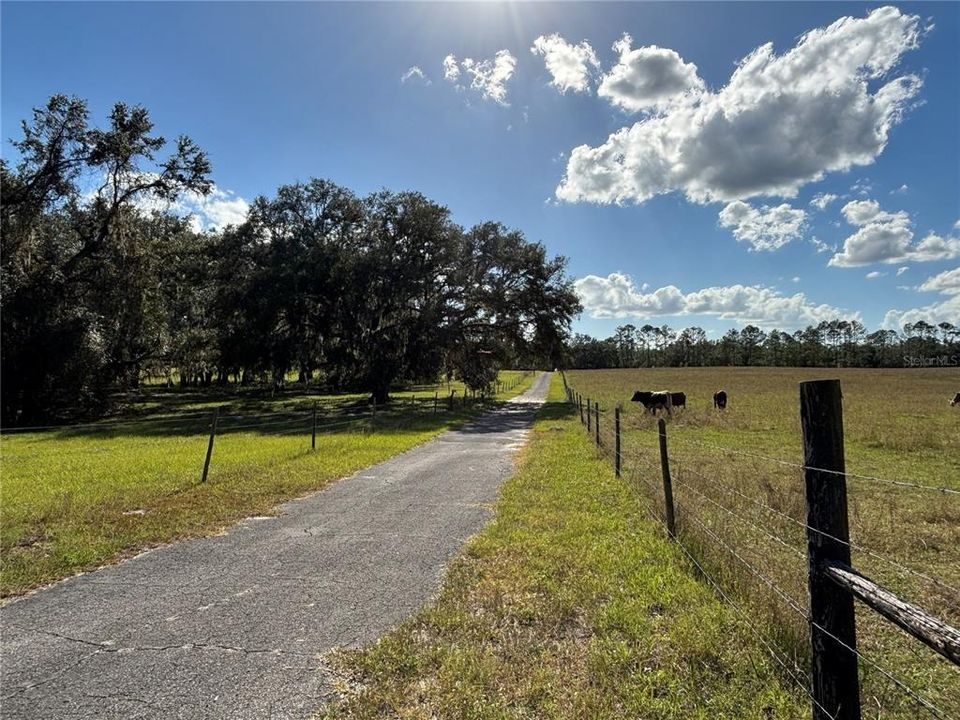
(100, 284)
(837, 343)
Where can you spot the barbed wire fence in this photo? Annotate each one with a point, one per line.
(311, 420)
(784, 561)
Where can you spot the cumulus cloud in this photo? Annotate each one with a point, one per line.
(934, 313)
(648, 78)
(779, 123)
(616, 296)
(214, 211)
(821, 200)
(885, 237)
(489, 77)
(947, 282)
(414, 73)
(765, 228)
(451, 70)
(571, 66)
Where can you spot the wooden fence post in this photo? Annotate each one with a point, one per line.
(213, 434)
(589, 419)
(616, 434)
(833, 638)
(596, 425)
(436, 398)
(667, 483)
(580, 405)
(313, 433)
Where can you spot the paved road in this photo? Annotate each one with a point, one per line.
(232, 626)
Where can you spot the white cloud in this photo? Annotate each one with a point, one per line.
(765, 228)
(938, 312)
(902, 190)
(215, 211)
(649, 78)
(821, 200)
(451, 71)
(885, 237)
(571, 66)
(821, 246)
(947, 282)
(779, 123)
(488, 77)
(875, 274)
(616, 296)
(795, 278)
(902, 270)
(415, 72)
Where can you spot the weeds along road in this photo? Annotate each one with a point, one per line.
(233, 626)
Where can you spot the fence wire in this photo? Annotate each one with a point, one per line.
(635, 464)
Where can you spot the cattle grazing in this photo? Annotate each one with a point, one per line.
(956, 400)
(720, 400)
(678, 400)
(653, 401)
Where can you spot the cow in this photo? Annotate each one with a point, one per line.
(956, 400)
(653, 401)
(678, 400)
(720, 400)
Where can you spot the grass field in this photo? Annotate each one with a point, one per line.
(739, 500)
(570, 604)
(75, 498)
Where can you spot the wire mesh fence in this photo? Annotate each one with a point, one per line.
(742, 521)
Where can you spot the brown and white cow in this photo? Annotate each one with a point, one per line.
(654, 400)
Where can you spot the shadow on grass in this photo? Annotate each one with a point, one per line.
(401, 415)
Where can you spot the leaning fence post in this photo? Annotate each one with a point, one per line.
(313, 433)
(213, 434)
(596, 425)
(833, 635)
(616, 435)
(667, 482)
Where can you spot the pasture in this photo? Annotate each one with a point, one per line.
(739, 501)
(77, 497)
(569, 604)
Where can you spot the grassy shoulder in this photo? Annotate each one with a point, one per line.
(75, 499)
(569, 604)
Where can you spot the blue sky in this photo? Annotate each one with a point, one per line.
(675, 159)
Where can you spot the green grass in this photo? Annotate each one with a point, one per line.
(73, 499)
(898, 425)
(570, 604)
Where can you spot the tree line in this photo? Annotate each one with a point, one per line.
(100, 287)
(834, 343)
